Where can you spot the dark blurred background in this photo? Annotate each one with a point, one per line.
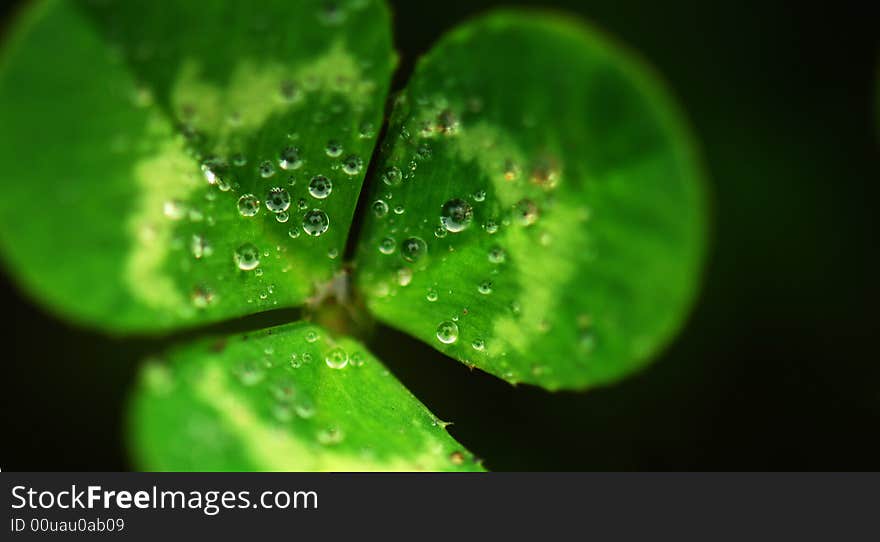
(777, 368)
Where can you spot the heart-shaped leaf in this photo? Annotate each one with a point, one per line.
(168, 163)
(539, 211)
(288, 398)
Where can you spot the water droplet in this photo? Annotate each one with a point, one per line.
(290, 91)
(485, 287)
(413, 248)
(447, 332)
(478, 345)
(447, 123)
(223, 184)
(249, 373)
(432, 295)
(200, 247)
(248, 205)
(387, 245)
(304, 408)
(456, 214)
(479, 196)
(239, 160)
(392, 176)
(404, 276)
(266, 169)
(295, 361)
(247, 257)
(277, 200)
(302, 204)
(352, 165)
(546, 173)
(357, 359)
(525, 212)
(491, 227)
(511, 170)
(497, 255)
(212, 169)
(330, 436)
(320, 187)
(311, 336)
(201, 297)
(399, 210)
(366, 130)
(333, 253)
(380, 208)
(290, 158)
(333, 149)
(293, 232)
(336, 358)
(424, 152)
(174, 209)
(284, 390)
(281, 411)
(440, 232)
(282, 217)
(315, 222)
(515, 308)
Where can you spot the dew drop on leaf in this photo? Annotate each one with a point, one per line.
(330, 436)
(333, 149)
(304, 408)
(290, 158)
(247, 257)
(266, 169)
(525, 212)
(387, 245)
(336, 358)
(352, 165)
(366, 130)
(248, 205)
(392, 176)
(380, 208)
(456, 215)
(173, 209)
(497, 255)
(277, 200)
(447, 332)
(201, 297)
(290, 91)
(413, 248)
(200, 247)
(249, 373)
(212, 169)
(315, 222)
(320, 187)
(404, 276)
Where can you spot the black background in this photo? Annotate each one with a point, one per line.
(777, 368)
